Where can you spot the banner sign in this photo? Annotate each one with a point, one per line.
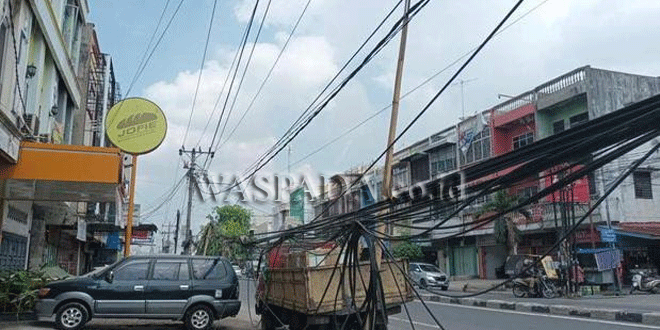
(607, 235)
(142, 237)
(297, 201)
(608, 259)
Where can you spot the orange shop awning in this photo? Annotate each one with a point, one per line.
(52, 172)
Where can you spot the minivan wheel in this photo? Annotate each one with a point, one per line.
(71, 316)
(199, 317)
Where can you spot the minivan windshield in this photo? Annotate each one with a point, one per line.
(98, 270)
(430, 268)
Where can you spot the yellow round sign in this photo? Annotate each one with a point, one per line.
(136, 125)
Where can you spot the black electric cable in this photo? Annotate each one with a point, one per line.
(240, 83)
(265, 80)
(201, 71)
(231, 84)
(300, 119)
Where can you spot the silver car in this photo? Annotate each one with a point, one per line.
(427, 275)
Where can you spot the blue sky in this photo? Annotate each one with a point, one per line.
(555, 38)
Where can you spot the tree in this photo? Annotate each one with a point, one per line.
(222, 235)
(505, 230)
(408, 250)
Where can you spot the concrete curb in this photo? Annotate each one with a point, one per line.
(647, 318)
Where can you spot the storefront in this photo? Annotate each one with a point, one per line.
(463, 257)
(640, 244)
(40, 208)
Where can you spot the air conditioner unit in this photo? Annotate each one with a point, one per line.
(31, 124)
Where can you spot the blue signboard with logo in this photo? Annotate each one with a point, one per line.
(607, 235)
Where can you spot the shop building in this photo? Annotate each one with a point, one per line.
(54, 167)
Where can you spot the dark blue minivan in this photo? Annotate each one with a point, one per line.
(196, 290)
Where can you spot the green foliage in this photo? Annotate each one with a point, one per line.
(222, 235)
(18, 290)
(408, 251)
(504, 229)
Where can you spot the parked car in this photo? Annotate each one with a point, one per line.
(426, 275)
(195, 290)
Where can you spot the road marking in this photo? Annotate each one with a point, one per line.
(637, 325)
(434, 326)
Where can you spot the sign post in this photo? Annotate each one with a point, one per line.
(136, 126)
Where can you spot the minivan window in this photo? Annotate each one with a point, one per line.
(429, 268)
(170, 271)
(132, 271)
(208, 269)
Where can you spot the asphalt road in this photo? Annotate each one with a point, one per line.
(455, 317)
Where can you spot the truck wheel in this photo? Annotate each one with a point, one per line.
(199, 317)
(71, 316)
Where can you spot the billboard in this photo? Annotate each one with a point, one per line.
(297, 204)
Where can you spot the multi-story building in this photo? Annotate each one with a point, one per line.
(557, 105)
(54, 166)
(341, 194)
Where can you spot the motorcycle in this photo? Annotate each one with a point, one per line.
(534, 286)
(642, 282)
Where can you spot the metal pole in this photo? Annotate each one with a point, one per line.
(131, 206)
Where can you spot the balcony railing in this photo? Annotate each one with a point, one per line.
(559, 83)
(552, 86)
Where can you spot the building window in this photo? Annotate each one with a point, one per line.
(400, 177)
(419, 169)
(642, 181)
(527, 192)
(558, 126)
(479, 149)
(579, 119)
(523, 140)
(443, 160)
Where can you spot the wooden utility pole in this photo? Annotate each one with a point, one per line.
(131, 205)
(387, 172)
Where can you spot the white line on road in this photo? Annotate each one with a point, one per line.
(415, 323)
(637, 325)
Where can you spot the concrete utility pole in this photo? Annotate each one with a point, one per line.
(187, 244)
(166, 243)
